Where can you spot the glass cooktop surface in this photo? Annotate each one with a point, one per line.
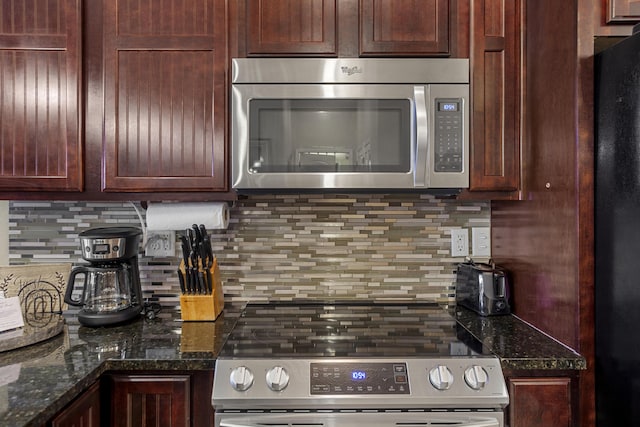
(348, 329)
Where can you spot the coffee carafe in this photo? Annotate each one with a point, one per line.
(111, 291)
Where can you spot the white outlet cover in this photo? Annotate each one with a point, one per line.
(161, 243)
(459, 242)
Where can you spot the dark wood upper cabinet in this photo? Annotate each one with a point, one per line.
(352, 28)
(404, 27)
(495, 74)
(164, 95)
(291, 26)
(40, 81)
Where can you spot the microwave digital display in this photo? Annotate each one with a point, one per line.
(448, 106)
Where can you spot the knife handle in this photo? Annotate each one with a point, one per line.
(195, 283)
(202, 283)
(191, 282)
(209, 282)
(181, 280)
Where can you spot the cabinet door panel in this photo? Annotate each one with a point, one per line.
(540, 402)
(83, 412)
(405, 27)
(146, 400)
(495, 138)
(623, 11)
(40, 145)
(156, 130)
(291, 27)
(164, 96)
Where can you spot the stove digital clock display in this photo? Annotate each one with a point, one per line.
(358, 375)
(349, 378)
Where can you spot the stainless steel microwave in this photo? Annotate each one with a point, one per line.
(349, 124)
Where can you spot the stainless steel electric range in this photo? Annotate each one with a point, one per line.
(344, 364)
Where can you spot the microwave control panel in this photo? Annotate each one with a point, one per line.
(448, 135)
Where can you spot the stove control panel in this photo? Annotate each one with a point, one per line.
(446, 382)
(359, 378)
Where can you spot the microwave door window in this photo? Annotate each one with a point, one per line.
(330, 135)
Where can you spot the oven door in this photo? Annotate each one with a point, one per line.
(349, 136)
(359, 419)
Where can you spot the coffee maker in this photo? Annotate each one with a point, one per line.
(111, 291)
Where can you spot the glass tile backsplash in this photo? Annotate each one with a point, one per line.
(283, 247)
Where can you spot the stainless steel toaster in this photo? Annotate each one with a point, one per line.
(483, 288)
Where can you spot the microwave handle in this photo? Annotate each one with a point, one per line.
(422, 137)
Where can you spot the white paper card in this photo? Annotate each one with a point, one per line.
(9, 374)
(10, 314)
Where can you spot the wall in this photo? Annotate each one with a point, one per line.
(283, 247)
(4, 232)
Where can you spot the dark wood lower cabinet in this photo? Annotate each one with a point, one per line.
(142, 399)
(146, 400)
(82, 412)
(158, 399)
(541, 401)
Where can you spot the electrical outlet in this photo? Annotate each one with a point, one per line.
(459, 242)
(161, 243)
(481, 241)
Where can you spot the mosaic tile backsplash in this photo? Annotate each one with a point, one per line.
(283, 247)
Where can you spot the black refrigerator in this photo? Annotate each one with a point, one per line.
(617, 233)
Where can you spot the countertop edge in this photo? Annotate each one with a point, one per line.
(53, 408)
(577, 364)
(159, 365)
(528, 347)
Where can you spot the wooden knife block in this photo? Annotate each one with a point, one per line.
(204, 307)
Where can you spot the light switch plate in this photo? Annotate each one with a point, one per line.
(481, 241)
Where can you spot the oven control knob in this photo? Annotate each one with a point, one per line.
(277, 378)
(476, 377)
(241, 378)
(441, 377)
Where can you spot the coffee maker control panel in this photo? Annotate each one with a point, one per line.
(103, 249)
(110, 244)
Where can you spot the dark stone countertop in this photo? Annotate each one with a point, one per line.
(38, 381)
(519, 345)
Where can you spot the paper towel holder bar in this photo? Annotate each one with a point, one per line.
(144, 204)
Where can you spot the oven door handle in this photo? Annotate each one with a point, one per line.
(354, 420)
(422, 137)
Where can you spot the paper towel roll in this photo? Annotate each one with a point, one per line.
(179, 216)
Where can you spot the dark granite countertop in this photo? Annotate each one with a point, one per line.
(39, 380)
(518, 345)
